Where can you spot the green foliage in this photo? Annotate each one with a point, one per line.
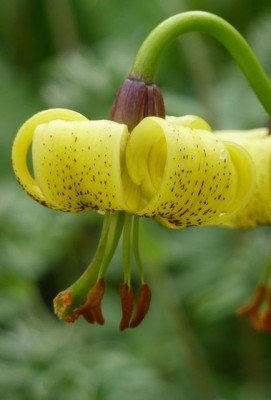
(191, 346)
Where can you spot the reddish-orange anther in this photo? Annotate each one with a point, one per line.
(91, 310)
(142, 307)
(127, 305)
(259, 309)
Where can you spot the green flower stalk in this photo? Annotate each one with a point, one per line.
(147, 58)
(142, 163)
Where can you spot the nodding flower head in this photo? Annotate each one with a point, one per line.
(141, 163)
(174, 170)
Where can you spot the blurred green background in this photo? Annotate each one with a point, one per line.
(75, 54)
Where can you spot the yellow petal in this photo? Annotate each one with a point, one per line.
(257, 143)
(145, 158)
(243, 184)
(157, 162)
(190, 121)
(186, 176)
(77, 163)
(22, 144)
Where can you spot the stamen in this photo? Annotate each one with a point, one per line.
(126, 248)
(142, 306)
(94, 315)
(112, 239)
(126, 292)
(259, 309)
(84, 297)
(91, 309)
(127, 305)
(253, 306)
(266, 321)
(265, 316)
(136, 249)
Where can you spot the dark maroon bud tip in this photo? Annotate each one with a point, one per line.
(136, 100)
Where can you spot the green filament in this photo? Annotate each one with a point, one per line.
(127, 248)
(136, 249)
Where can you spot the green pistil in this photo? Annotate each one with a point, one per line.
(146, 61)
(70, 299)
(113, 235)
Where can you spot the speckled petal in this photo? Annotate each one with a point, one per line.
(258, 144)
(77, 163)
(186, 176)
(159, 160)
(23, 142)
(241, 183)
(245, 174)
(189, 121)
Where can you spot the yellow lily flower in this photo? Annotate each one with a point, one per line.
(143, 164)
(175, 170)
(257, 143)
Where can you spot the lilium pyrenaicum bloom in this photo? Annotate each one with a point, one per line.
(143, 164)
(175, 170)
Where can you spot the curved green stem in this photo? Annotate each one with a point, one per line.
(147, 58)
